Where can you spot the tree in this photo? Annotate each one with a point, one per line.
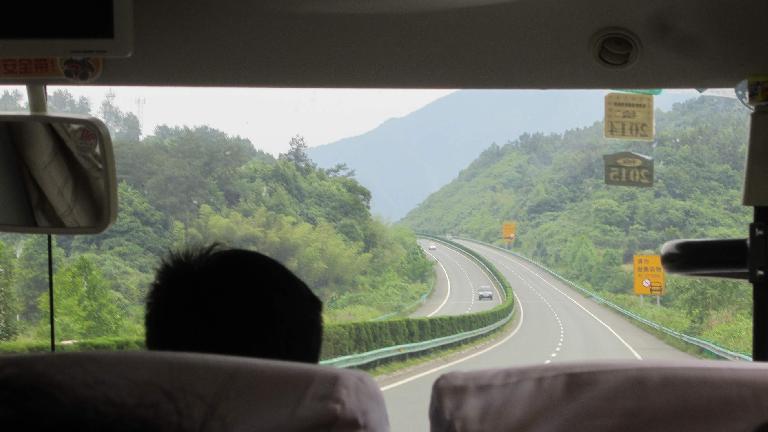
(139, 237)
(297, 154)
(11, 101)
(122, 126)
(8, 307)
(62, 101)
(31, 274)
(85, 307)
(340, 170)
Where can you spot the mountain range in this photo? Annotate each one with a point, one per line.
(405, 159)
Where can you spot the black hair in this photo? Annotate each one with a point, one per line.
(233, 302)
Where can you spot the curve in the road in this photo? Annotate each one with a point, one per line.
(456, 286)
(557, 327)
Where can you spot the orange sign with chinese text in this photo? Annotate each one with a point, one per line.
(649, 275)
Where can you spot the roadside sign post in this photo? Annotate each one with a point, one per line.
(648, 277)
(508, 231)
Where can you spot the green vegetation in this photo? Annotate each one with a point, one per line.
(340, 339)
(390, 366)
(567, 218)
(184, 187)
(349, 338)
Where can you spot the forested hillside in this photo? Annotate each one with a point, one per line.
(405, 159)
(552, 185)
(182, 187)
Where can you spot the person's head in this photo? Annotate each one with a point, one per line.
(234, 302)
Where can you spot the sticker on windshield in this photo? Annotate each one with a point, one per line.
(628, 169)
(629, 117)
(757, 88)
(80, 70)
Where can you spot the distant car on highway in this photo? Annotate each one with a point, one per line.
(432, 246)
(484, 292)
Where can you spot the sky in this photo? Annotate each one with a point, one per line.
(267, 117)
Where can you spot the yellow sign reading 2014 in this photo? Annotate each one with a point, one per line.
(629, 117)
(649, 275)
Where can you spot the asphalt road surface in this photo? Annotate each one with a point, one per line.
(458, 278)
(554, 324)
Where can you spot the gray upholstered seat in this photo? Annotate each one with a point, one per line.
(616, 396)
(177, 391)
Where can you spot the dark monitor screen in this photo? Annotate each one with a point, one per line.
(82, 19)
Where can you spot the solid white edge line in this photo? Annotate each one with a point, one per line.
(448, 279)
(463, 359)
(626, 344)
(629, 347)
(466, 275)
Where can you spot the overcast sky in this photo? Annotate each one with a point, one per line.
(268, 117)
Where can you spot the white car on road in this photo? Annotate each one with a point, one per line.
(485, 293)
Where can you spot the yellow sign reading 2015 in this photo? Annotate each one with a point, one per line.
(649, 275)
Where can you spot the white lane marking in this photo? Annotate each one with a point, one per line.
(549, 305)
(629, 347)
(487, 277)
(471, 356)
(554, 354)
(448, 294)
(469, 279)
(473, 263)
(548, 362)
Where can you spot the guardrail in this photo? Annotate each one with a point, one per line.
(471, 255)
(360, 359)
(461, 250)
(703, 344)
(405, 349)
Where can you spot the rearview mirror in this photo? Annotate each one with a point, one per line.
(57, 174)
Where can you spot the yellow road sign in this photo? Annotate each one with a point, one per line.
(508, 230)
(649, 275)
(629, 117)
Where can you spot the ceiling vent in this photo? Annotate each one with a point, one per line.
(616, 48)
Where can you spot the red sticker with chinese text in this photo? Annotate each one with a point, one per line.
(80, 70)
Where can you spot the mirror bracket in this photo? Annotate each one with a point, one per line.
(38, 98)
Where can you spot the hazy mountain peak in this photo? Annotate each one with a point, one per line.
(405, 159)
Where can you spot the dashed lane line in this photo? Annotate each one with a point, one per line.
(469, 279)
(624, 342)
(549, 306)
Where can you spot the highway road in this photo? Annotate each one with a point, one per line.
(458, 278)
(554, 324)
